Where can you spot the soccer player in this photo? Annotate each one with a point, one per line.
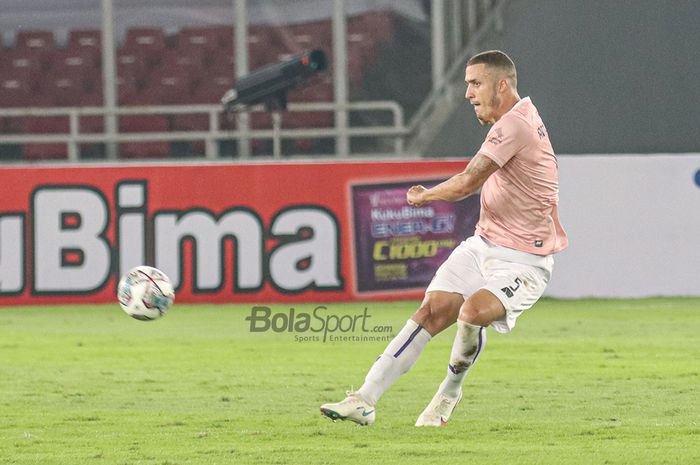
(501, 271)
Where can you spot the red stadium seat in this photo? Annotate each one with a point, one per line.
(320, 92)
(366, 33)
(16, 62)
(183, 61)
(76, 62)
(297, 38)
(92, 98)
(315, 91)
(264, 46)
(46, 125)
(362, 52)
(85, 39)
(35, 40)
(168, 87)
(378, 25)
(133, 63)
(91, 124)
(224, 36)
(209, 90)
(209, 41)
(149, 41)
(128, 89)
(213, 85)
(223, 60)
(148, 37)
(143, 123)
(17, 91)
(67, 91)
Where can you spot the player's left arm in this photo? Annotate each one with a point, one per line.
(458, 186)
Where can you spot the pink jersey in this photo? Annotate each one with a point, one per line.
(519, 201)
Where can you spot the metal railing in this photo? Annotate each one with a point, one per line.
(396, 131)
(448, 90)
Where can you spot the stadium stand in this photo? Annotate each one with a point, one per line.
(45, 125)
(193, 66)
(143, 123)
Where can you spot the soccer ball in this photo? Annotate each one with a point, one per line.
(145, 293)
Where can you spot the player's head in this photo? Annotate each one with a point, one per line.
(492, 84)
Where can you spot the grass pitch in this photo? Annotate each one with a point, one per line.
(579, 382)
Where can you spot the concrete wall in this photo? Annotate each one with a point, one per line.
(607, 76)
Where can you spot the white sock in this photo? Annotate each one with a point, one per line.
(469, 343)
(398, 357)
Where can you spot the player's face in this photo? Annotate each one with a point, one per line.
(482, 92)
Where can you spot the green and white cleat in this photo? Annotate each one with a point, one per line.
(352, 408)
(438, 411)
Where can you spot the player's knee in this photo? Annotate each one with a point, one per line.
(475, 315)
(481, 314)
(437, 312)
(482, 309)
(469, 314)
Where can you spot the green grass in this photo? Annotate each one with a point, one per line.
(580, 382)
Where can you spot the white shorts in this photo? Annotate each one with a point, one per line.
(516, 278)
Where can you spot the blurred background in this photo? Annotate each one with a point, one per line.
(119, 79)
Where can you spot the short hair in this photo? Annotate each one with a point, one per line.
(496, 59)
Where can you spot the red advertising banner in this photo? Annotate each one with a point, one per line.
(282, 232)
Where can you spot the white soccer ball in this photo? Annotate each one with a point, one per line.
(145, 293)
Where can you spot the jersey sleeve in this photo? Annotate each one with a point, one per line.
(506, 138)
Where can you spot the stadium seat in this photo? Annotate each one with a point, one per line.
(377, 24)
(319, 91)
(143, 123)
(189, 61)
(35, 40)
(46, 125)
(65, 91)
(264, 46)
(362, 52)
(132, 62)
(16, 91)
(85, 39)
(190, 122)
(167, 87)
(297, 38)
(76, 62)
(366, 33)
(91, 124)
(213, 85)
(223, 60)
(128, 89)
(149, 41)
(209, 41)
(22, 63)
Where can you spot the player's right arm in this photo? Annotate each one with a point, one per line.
(458, 186)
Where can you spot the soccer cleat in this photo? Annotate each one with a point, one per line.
(438, 410)
(352, 408)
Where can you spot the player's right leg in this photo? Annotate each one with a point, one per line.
(513, 282)
(460, 273)
(437, 311)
